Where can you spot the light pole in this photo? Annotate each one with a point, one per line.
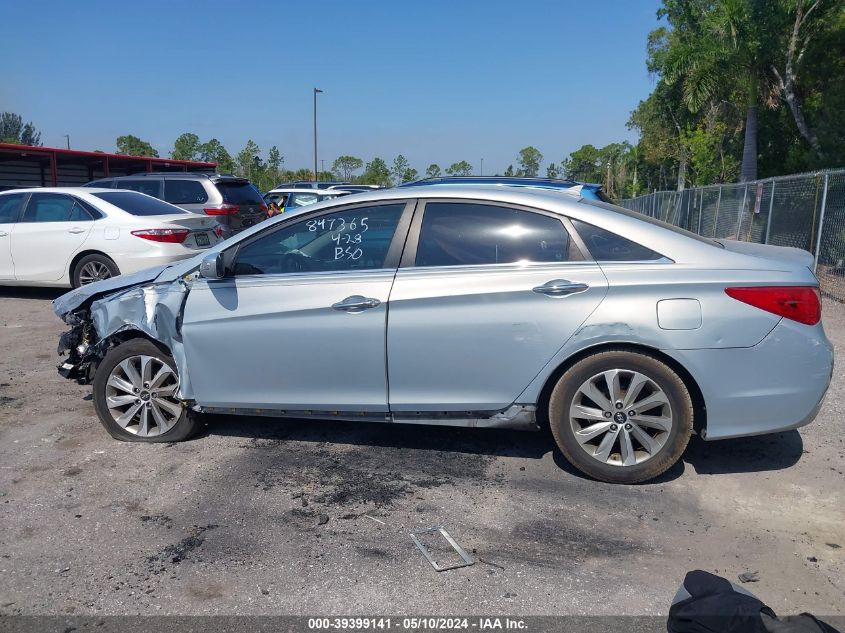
(67, 136)
(316, 90)
(482, 168)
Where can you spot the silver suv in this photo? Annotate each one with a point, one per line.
(235, 202)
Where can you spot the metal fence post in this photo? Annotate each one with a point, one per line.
(687, 219)
(769, 219)
(821, 225)
(718, 204)
(741, 209)
(700, 210)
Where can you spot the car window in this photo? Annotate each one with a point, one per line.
(150, 186)
(102, 184)
(184, 192)
(138, 204)
(605, 246)
(80, 213)
(48, 207)
(466, 234)
(10, 207)
(352, 239)
(278, 198)
(239, 192)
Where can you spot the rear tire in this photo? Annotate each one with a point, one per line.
(93, 268)
(134, 395)
(627, 444)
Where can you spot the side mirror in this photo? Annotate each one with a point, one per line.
(212, 266)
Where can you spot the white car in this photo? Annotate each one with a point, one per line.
(72, 236)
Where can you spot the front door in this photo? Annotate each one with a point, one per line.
(482, 302)
(300, 323)
(53, 228)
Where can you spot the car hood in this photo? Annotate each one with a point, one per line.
(75, 298)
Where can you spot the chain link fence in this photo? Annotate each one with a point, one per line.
(805, 210)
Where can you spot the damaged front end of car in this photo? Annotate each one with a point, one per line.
(147, 304)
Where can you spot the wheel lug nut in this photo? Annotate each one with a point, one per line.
(631, 414)
(136, 390)
(138, 401)
(628, 427)
(146, 385)
(613, 427)
(618, 405)
(607, 414)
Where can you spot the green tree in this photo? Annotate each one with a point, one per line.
(462, 168)
(529, 161)
(134, 146)
(345, 166)
(552, 171)
(509, 171)
(14, 130)
(248, 160)
(433, 171)
(376, 172)
(400, 167)
(186, 147)
(213, 151)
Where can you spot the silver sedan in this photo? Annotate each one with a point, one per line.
(465, 305)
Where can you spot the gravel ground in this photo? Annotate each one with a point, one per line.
(260, 516)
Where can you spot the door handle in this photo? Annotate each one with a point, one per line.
(3, 234)
(356, 303)
(75, 230)
(560, 288)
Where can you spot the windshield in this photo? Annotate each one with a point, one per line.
(650, 220)
(139, 203)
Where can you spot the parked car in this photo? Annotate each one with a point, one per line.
(289, 199)
(310, 184)
(234, 202)
(585, 189)
(63, 236)
(480, 306)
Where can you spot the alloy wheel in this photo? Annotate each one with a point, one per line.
(621, 417)
(93, 271)
(141, 396)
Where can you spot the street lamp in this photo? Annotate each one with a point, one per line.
(482, 168)
(316, 90)
(67, 136)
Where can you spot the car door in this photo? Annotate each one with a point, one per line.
(299, 321)
(53, 227)
(185, 193)
(484, 298)
(11, 205)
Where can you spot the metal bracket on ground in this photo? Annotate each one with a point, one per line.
(467, 559)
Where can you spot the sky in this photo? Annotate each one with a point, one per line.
(438, 81)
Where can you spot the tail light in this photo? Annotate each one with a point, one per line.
(263, 207)
(798, 303)
(170, 236)
(218, 231)
(226, 209)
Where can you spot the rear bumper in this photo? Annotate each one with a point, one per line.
(134, 262)
(777, 385)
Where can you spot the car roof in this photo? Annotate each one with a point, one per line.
(514, 181)
(69, 190)
(191, 175)
(301, 190)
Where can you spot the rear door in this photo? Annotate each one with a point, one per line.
(53, 227)
(485, 297)
(11, 205)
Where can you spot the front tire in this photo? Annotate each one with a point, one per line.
(135, 389)
(621, 416)
(93, 268)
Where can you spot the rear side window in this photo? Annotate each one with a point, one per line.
(136, 204)
(605, 246)
(150, 186)
(466, 234)
(239, 193)
(184, 192)
(10, 207)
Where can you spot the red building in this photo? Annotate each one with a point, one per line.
(27, 166)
